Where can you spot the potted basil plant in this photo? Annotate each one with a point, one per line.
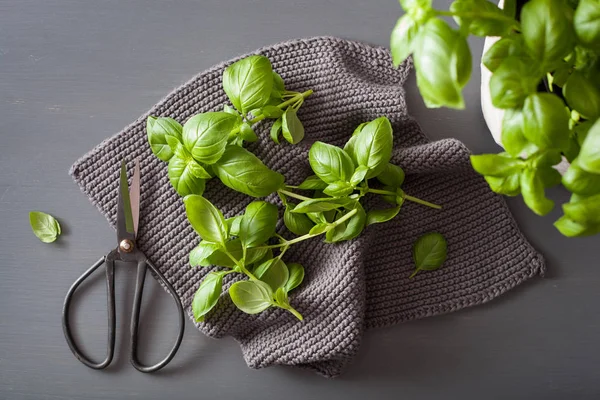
(549, 44)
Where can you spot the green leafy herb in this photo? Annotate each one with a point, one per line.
(158, 129)
(248, 83)
(44, 226)
(251, 297)
(258, 223)
(292, 128)
(206, 219)
(429, 252)
(207, 295)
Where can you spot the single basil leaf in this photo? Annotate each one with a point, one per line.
(248, 83)
(336, 233)
(207, 295)
(499, 51)
(296, 276)
(589, 157)
(391, 199)
(243, 171)
(271, 112)
(273, 272)
(512, 81)
(429, 252)
(252, 297)
(44, 226)
(513, 137)
(200, 254)
(384, 215)
(349, 146)
(182, 176)
(546, 121)
(206, 219)
(230, 110)
(579, 181)
(318, 217)
(587, 23)
(571, 228)
(278, 83)
(532, 189)
(281, 297)
(443, 64)
(582, 95)
(234, 247)
(177, 147)
(319, 228)
(572, 150)
(392, 175)
(313, 182)
(320, 204)
(349, 229)
(373, 146)
(547, 29)
(233, 224)
(549, 176)
(586, 211)
(292, 128)
(488, 20)
(546, 158)
(298, 224)
(205, 135)
(338, 189)
(359, 175)
(247, 133)
(276, 130)
(258, 223)
(158, 128)
(582, 130)
(197, 170)
(506, 185)
(496, 164)
(401, 41)
(330, 163)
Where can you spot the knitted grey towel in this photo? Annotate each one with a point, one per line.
(348, 286)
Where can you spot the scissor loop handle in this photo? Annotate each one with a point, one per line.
(110, 288)
(135, 316)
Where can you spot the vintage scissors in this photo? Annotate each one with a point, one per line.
(127, 227)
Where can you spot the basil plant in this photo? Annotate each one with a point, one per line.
(551, 41)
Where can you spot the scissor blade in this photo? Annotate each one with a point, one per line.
(124, 217)
(134, 196)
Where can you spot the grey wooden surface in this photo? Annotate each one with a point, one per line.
(74, 72)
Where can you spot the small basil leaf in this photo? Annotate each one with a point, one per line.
(271, 112)
(248, 83)
(513, 137)
(182, 176)
(373, 146)
(158, 128)
(587, 23)
(205, 135)
(276, 130)
(496, 164)
(233, 224)
(571, 228)
(44, 226)
(489, 18)
(429, 252)
(243, 171)
(532, 189)
(320, 204)
(589, 157)
(197, 170)
(313, 182)
(296, 276)
(349, 229)
(392, 175)
(506, 185)
(582, 130)
(579, 181)
(177, 147)
(206, 219)
(292, 128)
(338, 189)
(586, 210)
(252, 297)
(200, 254)
(207, 295)
(330, 163)
(230, 110)
(247, 133)
(582, 95)
(359, 175)
(546, 121)
(234, 248)
(281, 297)
(258, 223)
(512, 81)
(546, 158)
(500, 51)
(319, 228)
(273, 272)
(278, 84)
(384, 215)
(318, 217)
(549, 176)
(298, 224)
(402, 39)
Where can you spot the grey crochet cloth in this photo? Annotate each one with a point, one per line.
(351, 286)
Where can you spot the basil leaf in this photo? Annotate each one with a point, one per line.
(546, 121)
(157, 129)
(359, 175)
(402, 39)
(206, 219)
(312, 182)
(248, 83)
(273, 272)
(579, 181)
(488, 19)
(271, 111)
(547, 29)
(586, 210)
(499, 51)
(319, 228)
(582, 95)
(183, 176)
(582, 130)
(234, 247)
(276, 130)
(247, 133)
(589, 157)
(415, 5)
(443, 64)
(330, 163)
(546, 158)
(281, 298)
(506, 185)
(278, 84)
(496, 164)
(378, 216)
(298, 224)
(205, 135)
(200, 254)
(44, 226)
(233, 225)
(251, 297)
(349, 229)
(571, 228)
(258, 223)
(207, 295)
(512, 81)
(429, 252)
(296, 272)
(513, 138)
(243, 171)
(392, 175)
(197, 170)
(587, 23)
(177, 147)
(292, 128)
(532, 189)
(373, 146)
(320, 204)
(338, 189)
(230, 110)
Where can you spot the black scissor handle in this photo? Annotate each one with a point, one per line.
(110, 287)
(135, 317)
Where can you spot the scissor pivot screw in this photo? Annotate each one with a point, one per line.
(126, 245)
